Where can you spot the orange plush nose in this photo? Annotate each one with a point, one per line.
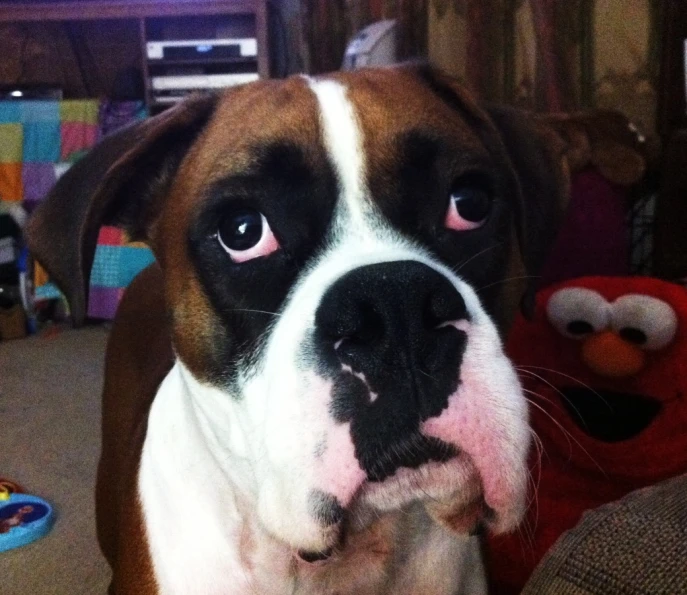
(609, 355)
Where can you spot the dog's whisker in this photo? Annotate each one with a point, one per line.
(251, 310)
(459, 266)
(557, 390)
(577, 380)
(545, 399)
(539, 462)
(534, 501)
(565, 432)
(530, 530)
(507, 280)
(539, 447)
(421, 371)
(525, 539)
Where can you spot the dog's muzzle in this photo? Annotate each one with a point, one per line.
(386, 333)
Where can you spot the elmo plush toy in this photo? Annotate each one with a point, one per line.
(604, 363)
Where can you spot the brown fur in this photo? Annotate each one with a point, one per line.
(139, 355)
(167, 305)
(225, 147)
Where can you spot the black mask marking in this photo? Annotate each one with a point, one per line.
(413, 193)
(297, 198)
(389, 318)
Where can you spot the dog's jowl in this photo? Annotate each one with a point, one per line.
(307, 392)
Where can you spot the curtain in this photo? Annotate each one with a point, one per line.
(547, 55)
(552, 55)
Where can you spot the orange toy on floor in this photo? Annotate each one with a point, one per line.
(604, 361)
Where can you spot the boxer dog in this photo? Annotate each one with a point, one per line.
(307, 393)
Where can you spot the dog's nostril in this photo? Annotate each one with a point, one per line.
(312, 557)
(362, 324)
(370, 324)
(444, 304)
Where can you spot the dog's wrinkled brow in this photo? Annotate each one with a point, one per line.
(271, 161)
(280, 159)
(278, 168)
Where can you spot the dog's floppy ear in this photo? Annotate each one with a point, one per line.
(540, 159)
(119, 182)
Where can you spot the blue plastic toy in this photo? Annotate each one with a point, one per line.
(23, 519)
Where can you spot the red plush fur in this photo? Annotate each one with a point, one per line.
(577, 472)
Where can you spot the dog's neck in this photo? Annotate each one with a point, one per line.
(198, 495)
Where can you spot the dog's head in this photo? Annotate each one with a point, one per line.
(334, 252)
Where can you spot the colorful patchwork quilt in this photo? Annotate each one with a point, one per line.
(39, 140)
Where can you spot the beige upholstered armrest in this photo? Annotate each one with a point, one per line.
(636, 545)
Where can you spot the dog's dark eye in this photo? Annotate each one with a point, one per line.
(241, 230)
(469, 205)
(245, 234)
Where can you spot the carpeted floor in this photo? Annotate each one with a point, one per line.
(49, 442)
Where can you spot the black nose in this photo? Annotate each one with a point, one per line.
(382, 334)
(382, 307)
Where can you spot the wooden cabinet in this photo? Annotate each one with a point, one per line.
(144, 20)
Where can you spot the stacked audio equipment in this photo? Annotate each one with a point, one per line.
(185, 45)
(194, 53)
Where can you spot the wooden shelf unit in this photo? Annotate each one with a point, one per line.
(147, 14)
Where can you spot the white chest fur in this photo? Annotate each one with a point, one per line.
(204, 537)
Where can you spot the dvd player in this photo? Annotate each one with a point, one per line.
(202, 81)
(202, 49)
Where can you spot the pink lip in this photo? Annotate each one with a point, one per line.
(455, 482)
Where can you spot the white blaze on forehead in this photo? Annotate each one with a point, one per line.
(343, 141)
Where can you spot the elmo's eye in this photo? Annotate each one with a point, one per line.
(576, 312)
(644, 320)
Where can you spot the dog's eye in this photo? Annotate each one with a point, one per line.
(245, 234)
(469, 205)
